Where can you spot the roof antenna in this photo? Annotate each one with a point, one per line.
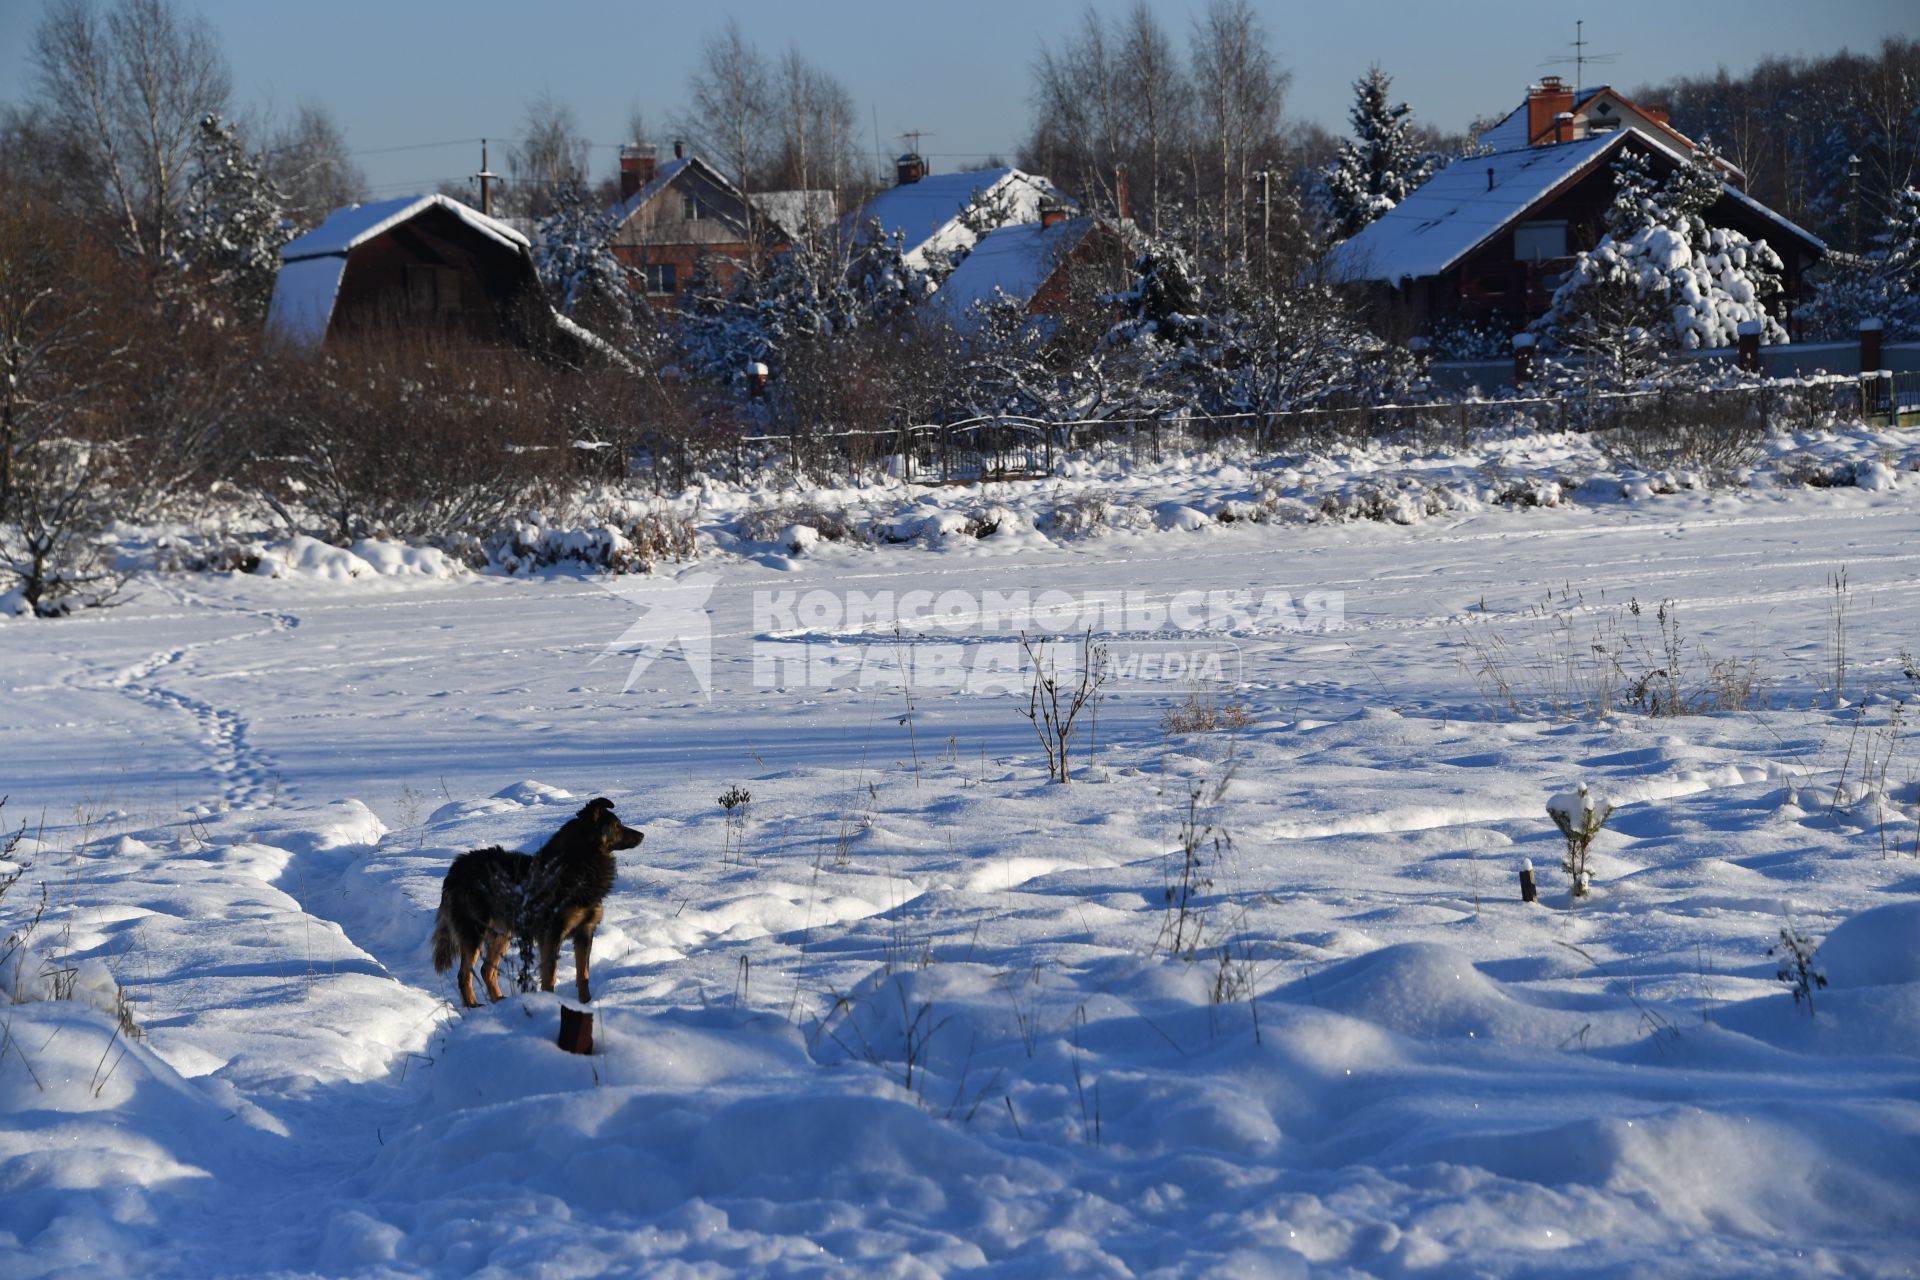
(1581, 57)
(913, 137)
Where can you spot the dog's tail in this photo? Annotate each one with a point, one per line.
(444, 943)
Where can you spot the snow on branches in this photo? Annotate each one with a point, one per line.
(1701, 281)
(1381, 163)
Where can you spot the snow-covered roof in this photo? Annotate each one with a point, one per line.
(1460, 208)
(795, 211)
(357, 224)
(1014, 261)
(303, 297)
(926, 214)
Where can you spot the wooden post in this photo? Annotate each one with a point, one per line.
(1528, 893)
(1749, 349)
(576, 1029)
(946, 430)
(1522, 359)
(1466, 437)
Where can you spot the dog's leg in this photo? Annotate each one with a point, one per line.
(468, 952)
(496, 949)
(549, 959)
(582, 954)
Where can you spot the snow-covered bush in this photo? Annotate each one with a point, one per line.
(609, 541)
(1090, 512)
(772, 523)
(1580, 819)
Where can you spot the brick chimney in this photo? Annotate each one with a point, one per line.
(1051, 211)
(1546, 102)
(637, 164)
(910, 167)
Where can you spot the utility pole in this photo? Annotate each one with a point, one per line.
(1853, 201)
(1266, 226)
(486, 177)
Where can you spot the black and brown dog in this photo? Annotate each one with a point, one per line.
(490, 895)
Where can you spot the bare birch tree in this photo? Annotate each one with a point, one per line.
(1239, 88)
(126, 90)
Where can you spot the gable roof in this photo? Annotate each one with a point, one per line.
(665, 176)
(1476, 198)
(1013, 261)
(356, 224)
(926, 214)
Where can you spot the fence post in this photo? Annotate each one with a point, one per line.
(1156, 440)
(1466, 439)
(945, 463)
(1563, 414)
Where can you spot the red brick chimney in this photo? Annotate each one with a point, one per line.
(1051, 211)
(1546, 102)
(636, 168)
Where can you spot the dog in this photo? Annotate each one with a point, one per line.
(492, 895)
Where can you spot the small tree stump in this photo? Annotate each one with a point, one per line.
(576, 1030)
(1527, 891)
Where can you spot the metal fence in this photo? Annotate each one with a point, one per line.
(1010, 447)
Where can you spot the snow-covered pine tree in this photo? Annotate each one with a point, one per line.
(1883, 284)
(1704, 280)
(234, 224)
(574, 258)
(1381, 163)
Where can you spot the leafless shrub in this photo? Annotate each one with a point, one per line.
(405, 437)
(1055, 700)
(1206, 709)
(1710, 431)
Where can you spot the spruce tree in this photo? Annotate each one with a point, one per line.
(1381, 163)
(235, 221)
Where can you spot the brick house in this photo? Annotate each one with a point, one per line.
(672, 215)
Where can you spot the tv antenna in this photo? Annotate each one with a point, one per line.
(1580, 57)
(913, 136)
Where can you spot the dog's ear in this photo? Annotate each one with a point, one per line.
(595, 807)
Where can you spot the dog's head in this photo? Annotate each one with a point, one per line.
(608, 829)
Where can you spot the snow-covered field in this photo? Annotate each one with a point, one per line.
(918, 1011)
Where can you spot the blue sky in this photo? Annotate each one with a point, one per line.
(401, 73)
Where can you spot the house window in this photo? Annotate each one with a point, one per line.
(432, 290)
(1541, 241)
(661, 277)
(690, 207)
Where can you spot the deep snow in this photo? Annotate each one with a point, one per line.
(925, 1020)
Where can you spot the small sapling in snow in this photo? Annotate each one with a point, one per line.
(1579, 820)
(1795, 953)
(734, 800)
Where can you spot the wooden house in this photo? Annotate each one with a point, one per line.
(419, 263)
(1494, 234)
